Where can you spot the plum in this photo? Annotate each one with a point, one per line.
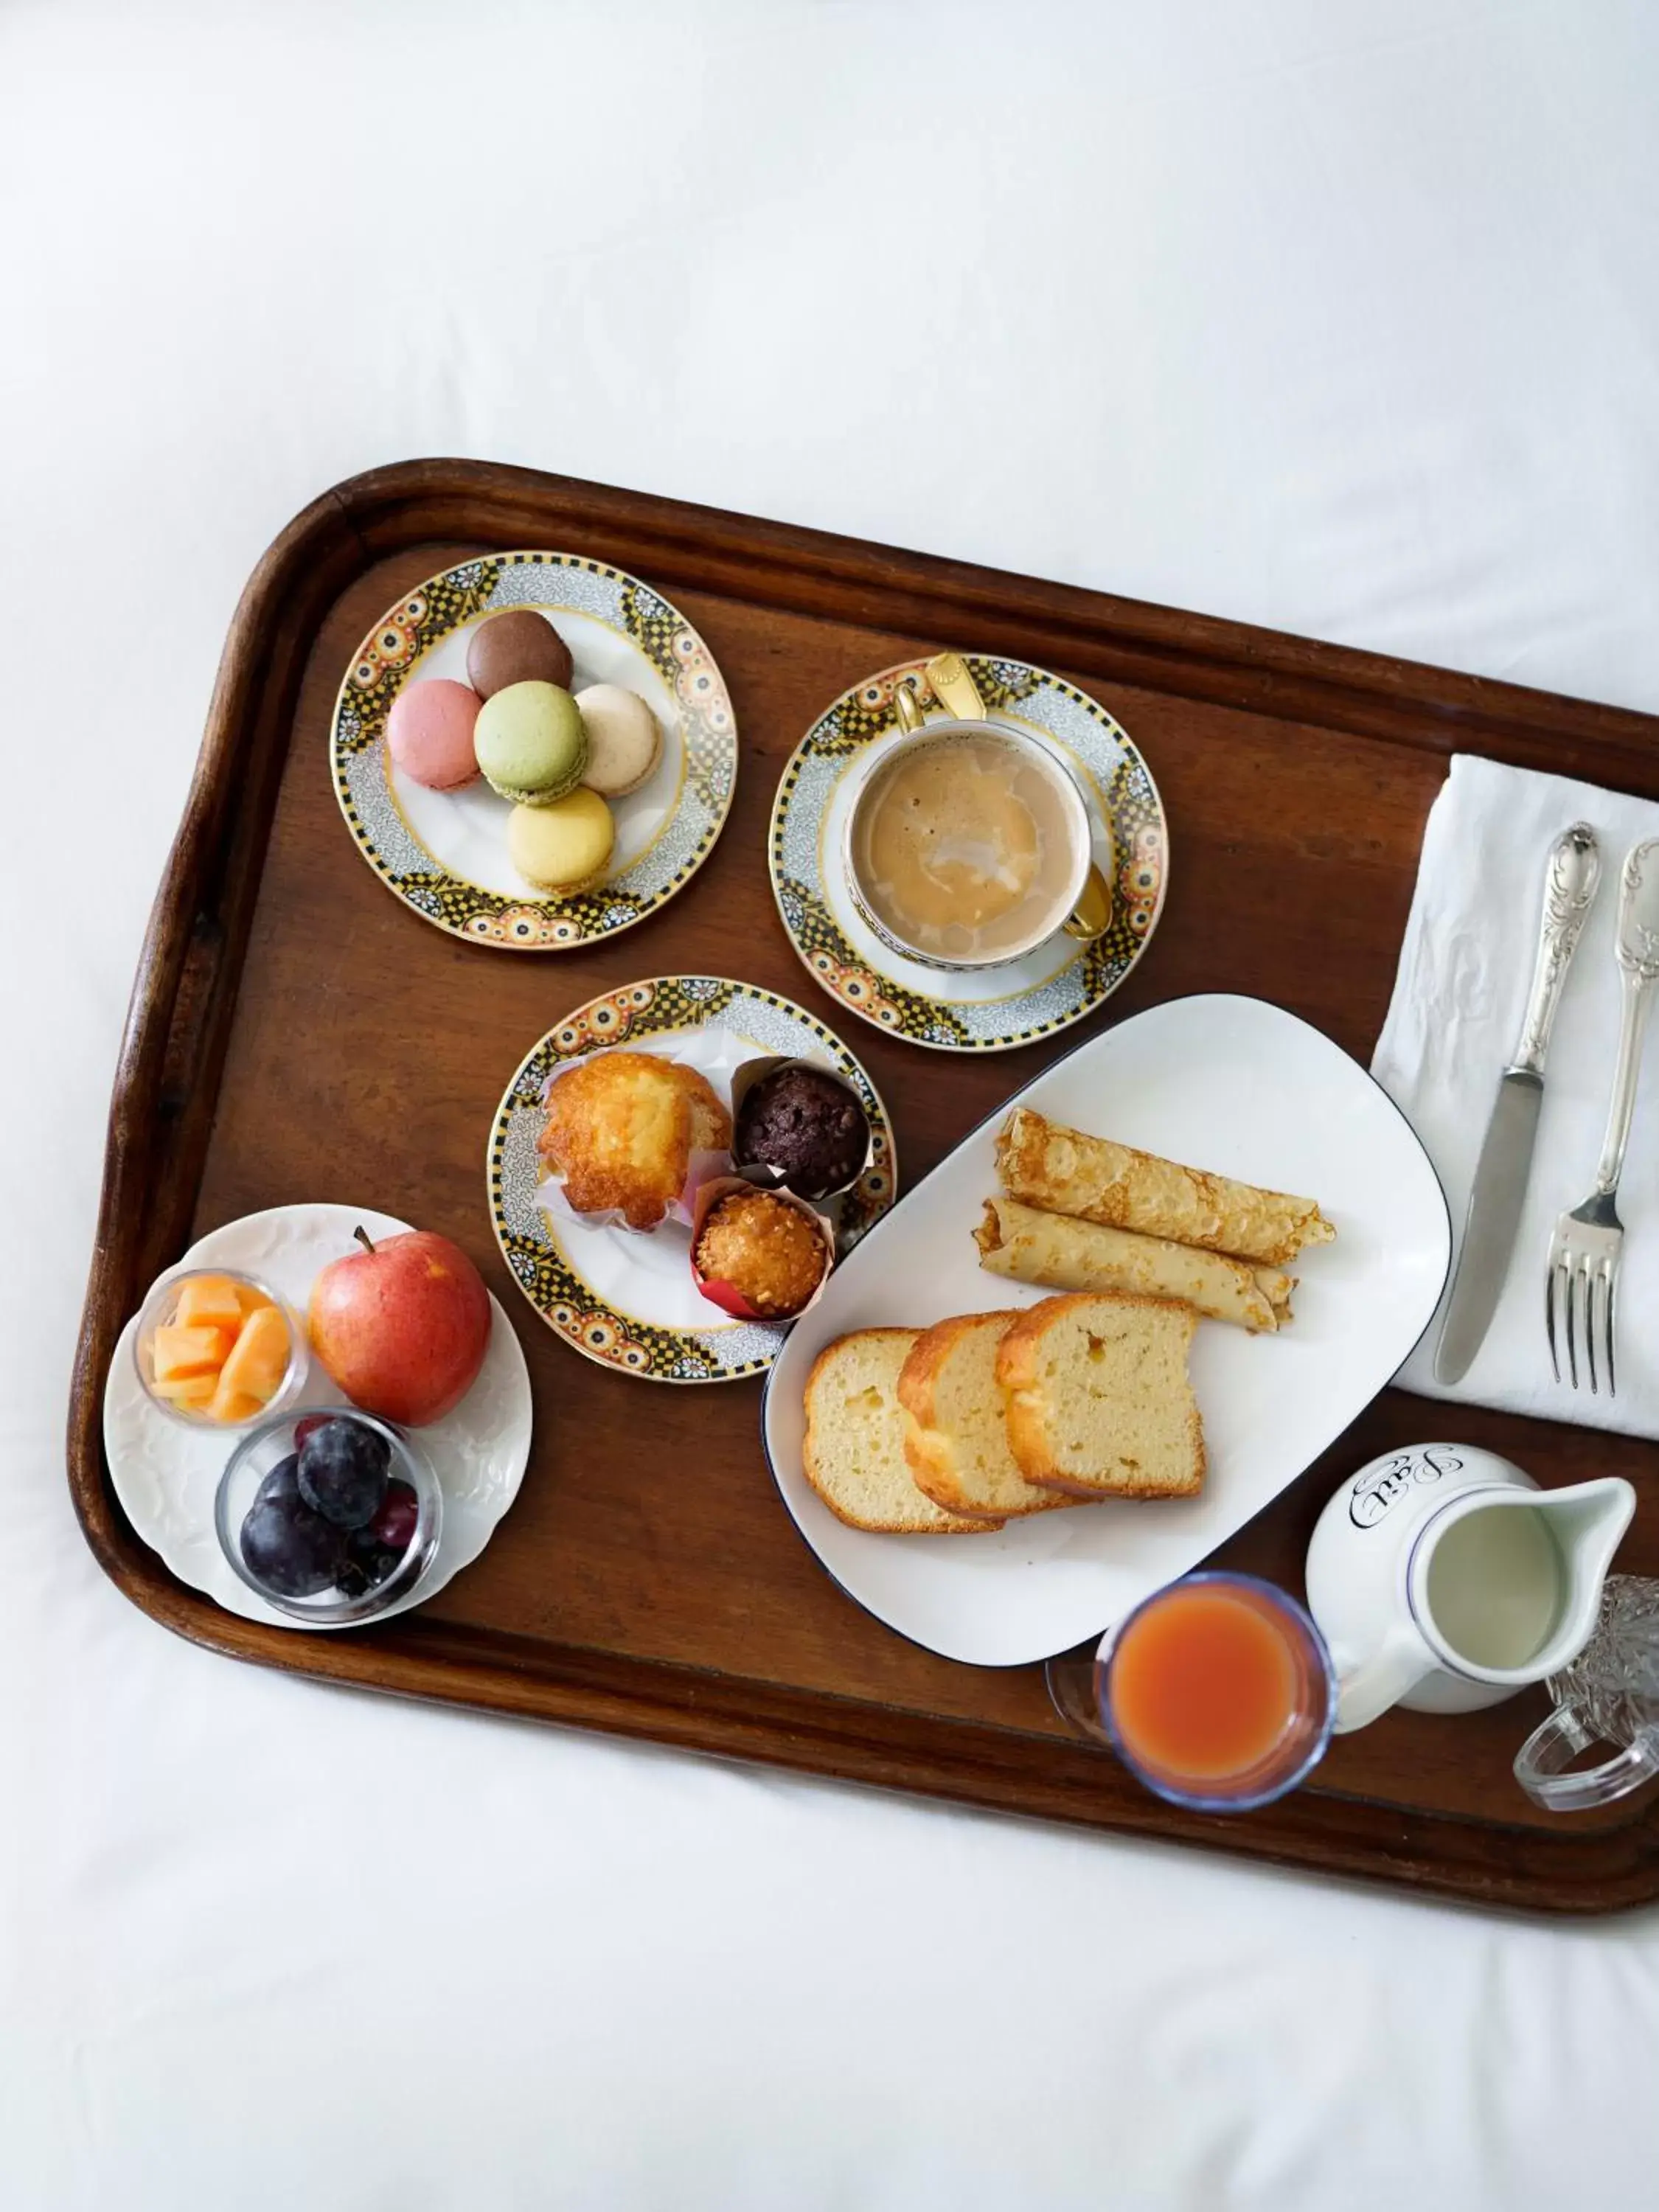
(283, 1481)
(288, 1548)
(342, 1471)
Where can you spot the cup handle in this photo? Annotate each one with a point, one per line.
(1091, 917)
(1367, 1688)
(952, 683)
(1556, 1742)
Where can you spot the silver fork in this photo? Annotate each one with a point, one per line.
(1582, 1277)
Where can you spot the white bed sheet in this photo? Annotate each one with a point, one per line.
(1339, 317)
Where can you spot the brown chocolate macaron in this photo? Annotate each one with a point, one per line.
(520, 647)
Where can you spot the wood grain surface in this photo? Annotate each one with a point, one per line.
(296, 1034)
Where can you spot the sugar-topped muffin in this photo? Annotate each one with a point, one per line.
(765, 1248)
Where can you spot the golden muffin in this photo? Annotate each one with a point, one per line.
(765, 1248)
(621, 1131)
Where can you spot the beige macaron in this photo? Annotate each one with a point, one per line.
(563, 847)
(623, 741)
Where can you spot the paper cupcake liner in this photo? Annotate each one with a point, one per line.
(727, 1295)
(762, 1177)
(704, 1165)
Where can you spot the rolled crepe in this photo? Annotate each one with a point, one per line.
(1063, 1172)
(1063, 1254)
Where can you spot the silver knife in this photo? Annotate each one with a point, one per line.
(1500, 1175)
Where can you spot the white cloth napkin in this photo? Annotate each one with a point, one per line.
(1465, 969)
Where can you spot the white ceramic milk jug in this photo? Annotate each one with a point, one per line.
(1444, 1579)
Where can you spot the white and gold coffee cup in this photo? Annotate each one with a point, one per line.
(1065, 891)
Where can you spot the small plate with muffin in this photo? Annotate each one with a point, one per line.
(534, 749)
(675, 1169)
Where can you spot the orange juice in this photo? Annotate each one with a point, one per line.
(1205, 1684)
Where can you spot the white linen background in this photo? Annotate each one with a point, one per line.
(1338, 315)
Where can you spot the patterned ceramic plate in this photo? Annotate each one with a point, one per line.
(628, 1301)
(444, 852)
(1055, 985)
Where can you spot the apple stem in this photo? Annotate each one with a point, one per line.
(361, 1235)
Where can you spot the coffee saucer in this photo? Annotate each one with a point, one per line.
(999, 1008)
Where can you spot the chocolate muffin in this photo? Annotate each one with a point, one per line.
(768, 1251)
(807, 1126)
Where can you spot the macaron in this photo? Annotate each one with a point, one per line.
(624, 743)
(520, 647)
(530, 744)
(563, 847)
(429, 733)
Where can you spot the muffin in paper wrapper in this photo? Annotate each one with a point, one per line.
(703, 1164)
(726, 1295)
(764, 1177)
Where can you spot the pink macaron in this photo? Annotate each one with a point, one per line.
(430, 731)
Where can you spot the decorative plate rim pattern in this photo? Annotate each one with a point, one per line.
(1140, 831)
(392, 652)
(540, 1267)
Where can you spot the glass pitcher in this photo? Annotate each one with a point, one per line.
(1609, 1694)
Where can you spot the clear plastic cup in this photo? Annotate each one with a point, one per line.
(1608, 1695)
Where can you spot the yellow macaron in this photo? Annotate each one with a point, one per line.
(563, 847)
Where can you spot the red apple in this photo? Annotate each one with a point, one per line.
(402, 1326)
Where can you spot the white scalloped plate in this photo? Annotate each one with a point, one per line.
(165, 1475)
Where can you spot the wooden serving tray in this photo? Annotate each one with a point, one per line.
(296, 1034)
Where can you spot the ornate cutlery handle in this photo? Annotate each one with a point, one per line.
(1570, 885)
(1638, 968)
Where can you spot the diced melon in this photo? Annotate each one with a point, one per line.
(179, 1351)
(233, 1405)
(210, 1302)
(257, 1361)
(248, 1300)
(193, 1393)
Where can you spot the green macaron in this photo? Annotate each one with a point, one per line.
(531, 744)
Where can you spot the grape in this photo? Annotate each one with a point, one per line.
(288, 1548)
(378, 1549)
(342, 1468)
(395, 1523)
(308, 1425)
(368, 1556)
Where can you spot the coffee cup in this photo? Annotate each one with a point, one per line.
(968, 843)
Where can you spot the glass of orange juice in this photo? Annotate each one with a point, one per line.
(1217, 1693)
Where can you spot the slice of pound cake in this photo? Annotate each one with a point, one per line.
(853, 1455)
(957, 1438)
(1098, 1401)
